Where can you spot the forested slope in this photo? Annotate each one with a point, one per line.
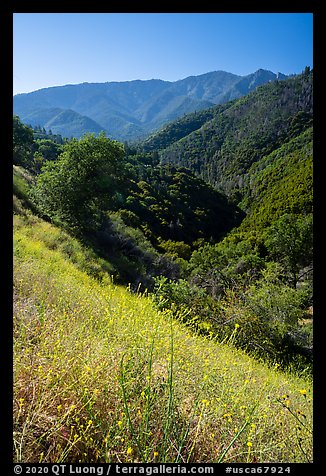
(222, 143)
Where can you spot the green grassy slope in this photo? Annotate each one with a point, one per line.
(100, 375)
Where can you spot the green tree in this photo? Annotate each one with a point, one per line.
(38, 162)
(84, 182)
(49, 149)
(289, 241)
(176, 249)
(22, 143)
(232, 263)
(268, 314)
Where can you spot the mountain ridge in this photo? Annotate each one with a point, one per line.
(130, 110)
(221, 143)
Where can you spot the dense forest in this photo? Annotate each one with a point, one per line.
(222, 143)
(211, 217)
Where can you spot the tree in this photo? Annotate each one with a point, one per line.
(231, 263)
(22, 143)
(268, 314)
(76, 189)
(48, 148)
(38, 161)
(289, 241)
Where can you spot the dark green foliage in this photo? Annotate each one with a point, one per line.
(229, 264)
(289, 241)
(280, 183)
(268, 315)
(44, 150)
(176, 249)
(262, 317)
(32, 148)
(170, 203)
(85, 180)
(177, 130)
(49, 149)
(189, 303)
(22, 143)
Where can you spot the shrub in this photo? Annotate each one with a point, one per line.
(188, 303)
(268, 315)
(176, 249)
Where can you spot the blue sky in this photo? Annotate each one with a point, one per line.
(53, 49)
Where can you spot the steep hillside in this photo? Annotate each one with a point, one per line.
(222, 145)
(132, 109)
(176, 130)
(100, 375)
(163, 229)
(130, 211)
(281, 182)
(172, 203)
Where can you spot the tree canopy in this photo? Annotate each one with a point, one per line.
(22, 142)
(76, 188)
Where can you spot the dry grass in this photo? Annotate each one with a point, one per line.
(101, 376)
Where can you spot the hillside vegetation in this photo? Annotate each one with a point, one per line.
(163, 229)
(101, 375)
(159, 317)
(282, 182)
(223, 144)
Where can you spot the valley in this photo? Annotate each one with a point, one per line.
(162, 273)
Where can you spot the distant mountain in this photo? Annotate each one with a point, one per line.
(57, 120)
(133, 109)
(250, 83)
